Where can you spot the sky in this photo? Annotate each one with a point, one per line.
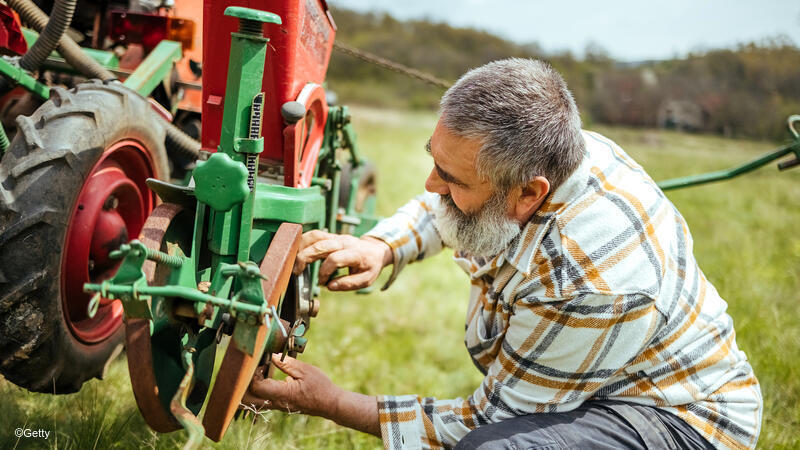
(629, 30)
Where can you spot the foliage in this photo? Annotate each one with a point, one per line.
(748, 91)
(409, 339)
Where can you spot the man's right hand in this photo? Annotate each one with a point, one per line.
(364, 257)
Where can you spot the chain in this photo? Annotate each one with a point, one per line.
(391, 65)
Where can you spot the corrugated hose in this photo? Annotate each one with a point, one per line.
(177, 140)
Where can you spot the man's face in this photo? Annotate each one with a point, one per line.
(472, 216)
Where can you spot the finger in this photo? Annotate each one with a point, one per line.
(289, 365)
(351, 282)
(269, 389)
(313, 236)
(317, 250)
(342, 258)
(308, 239)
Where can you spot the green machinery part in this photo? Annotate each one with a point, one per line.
(153, 70)
(792, 148)
(235, 217)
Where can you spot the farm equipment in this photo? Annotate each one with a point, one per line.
(214, 258)
(792, 149)
(73, 179)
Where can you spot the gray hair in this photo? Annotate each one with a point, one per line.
(526, 117)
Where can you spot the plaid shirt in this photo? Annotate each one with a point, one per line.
(599, 297)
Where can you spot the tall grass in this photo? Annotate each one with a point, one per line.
(409, 339)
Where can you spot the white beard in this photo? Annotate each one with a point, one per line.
(484, 233)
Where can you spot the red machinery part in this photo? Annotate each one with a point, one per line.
(149, 29)
(299, 53)
(112, 206)
(303, 140)
(11, 40)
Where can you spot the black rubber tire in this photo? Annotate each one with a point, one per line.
(41, 176)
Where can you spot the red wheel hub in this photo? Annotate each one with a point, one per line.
(111, 208)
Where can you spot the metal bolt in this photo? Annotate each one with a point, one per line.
(111, 203)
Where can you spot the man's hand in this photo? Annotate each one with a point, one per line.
(308, 390)
(364, 257)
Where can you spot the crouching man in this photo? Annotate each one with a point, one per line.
(588, 315)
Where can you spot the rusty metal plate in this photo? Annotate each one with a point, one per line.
(137, 332)
(237, 367)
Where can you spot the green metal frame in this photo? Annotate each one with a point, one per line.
(106, 59)
(792, 148)
(155, 68)
(235, 218)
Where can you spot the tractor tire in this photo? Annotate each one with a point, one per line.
(73, 178)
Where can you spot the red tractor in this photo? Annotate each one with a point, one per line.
(73, 181)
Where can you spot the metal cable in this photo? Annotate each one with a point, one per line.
(391, 65)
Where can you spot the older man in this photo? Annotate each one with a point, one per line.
(589, 317)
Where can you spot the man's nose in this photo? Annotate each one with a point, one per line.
(435, 184)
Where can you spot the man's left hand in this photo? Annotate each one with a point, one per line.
(306, 389)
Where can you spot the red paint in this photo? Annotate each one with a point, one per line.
(12, 42)
(298, 54)
(303, 140)
(94, 231)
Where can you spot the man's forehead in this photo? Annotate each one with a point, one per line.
(452, 147)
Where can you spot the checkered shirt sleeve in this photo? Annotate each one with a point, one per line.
(410, 232)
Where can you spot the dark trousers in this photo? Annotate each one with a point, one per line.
(593, 425)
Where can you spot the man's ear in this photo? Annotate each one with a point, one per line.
(531, 197)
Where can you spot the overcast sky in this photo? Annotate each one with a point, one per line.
(630, 30)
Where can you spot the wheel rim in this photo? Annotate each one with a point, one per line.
(111, 208)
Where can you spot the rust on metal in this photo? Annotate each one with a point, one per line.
(237, 367)
(137, 333)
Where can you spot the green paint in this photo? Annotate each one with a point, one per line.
(286, 204)
(221, 182)
(693, 180)
(55, 61)
(19, 76)
(4, 142)
(155, 68)
(252, 14)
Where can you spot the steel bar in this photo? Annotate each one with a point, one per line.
(19, 76)
(719, 175)
(156, 67)
(176, 291)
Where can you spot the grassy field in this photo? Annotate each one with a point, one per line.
(409, 338)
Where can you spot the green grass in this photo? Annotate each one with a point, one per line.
(409, 339)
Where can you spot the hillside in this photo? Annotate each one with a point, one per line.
(748, 91)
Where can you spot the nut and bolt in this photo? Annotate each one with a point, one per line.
(112, 202)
